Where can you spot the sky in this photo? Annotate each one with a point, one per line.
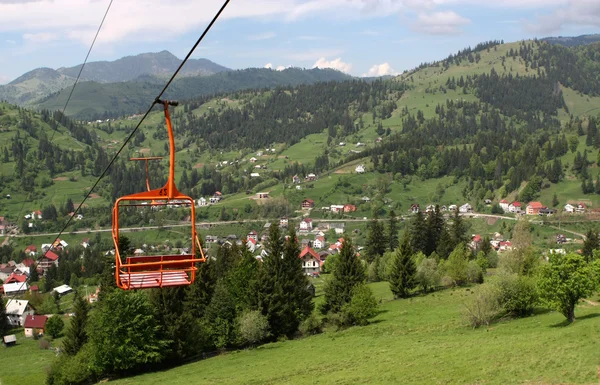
(359, 37)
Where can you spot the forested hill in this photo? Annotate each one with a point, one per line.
(92, 100)
(517, 120)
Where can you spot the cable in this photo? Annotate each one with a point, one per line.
(83, 65)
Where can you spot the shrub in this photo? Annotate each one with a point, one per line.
(483, 306)
(77, 369)
(474, 272)
(362, 306)
(427, 275)
(311, 325)
(253, 327)
(492, 258)
(44, 343)
(54, 326)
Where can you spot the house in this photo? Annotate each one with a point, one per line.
(211, 239)
(310, 177)
(466, 208)
(515, 207)
(319, 242)
(306, 224)
(85, 243)
(306, 242)
(10, 340)
(348, 208)
(14, 278)
(283, 222)
(259, 153)
(253, 160)
(504, 205)
(560, 239)
(15, 288)
(262, 195)
(308, 204)
(63, 289)
(21, 269)
(48, 259)
(252, 244)
(430, 209)
(476, 242)
(334, 248)
(360, 169)
(487, 201)
(339, 227)
(311, 262)
(202, 202)
(533, 208)
(342, 144)
(337, 208)
(414, 208)
(504, 246)
(253, 235)
(580, 208)
(547, 211)
(296, 179)
(254, 175)
(359, 144)
(17, 310)
(31, 250)
(452, 208)
(569, 208)
(34, 324)
(28, 262)
(366, 199)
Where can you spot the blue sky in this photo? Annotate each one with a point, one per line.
(360, 37)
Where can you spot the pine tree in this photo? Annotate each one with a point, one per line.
(51, 275)
(220, 316)
(392, 231)
(554, 200)
(348, 273)
(402, 276)
(591, 243)
(33, 275)
(242, 281)
(107, 279)
(418, 233)
(445, 244)
(199, 293)
(435, 224)
(486, 246)
(76, 335)
(458, 230)
(4, 326)
(376, 244)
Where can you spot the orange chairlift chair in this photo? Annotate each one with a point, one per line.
(146, 159)
(143, 272)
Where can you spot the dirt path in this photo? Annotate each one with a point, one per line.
(591, 302)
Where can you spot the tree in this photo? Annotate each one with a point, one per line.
(51, 275)
(457, 264)
(445, 244)
(376, 245)
(591, 243)
(427, 275)
(126, 316)
(402, 276)
(486, 246)
(565, 280)
(243, 279)
(33, 276)
(220, 317)
(392, 232)
(435, 227)
(54, 326)
(76, 335)
(4, 326)
(418, 233)
(254, 327)
(348, 273)
(362, 306)
(458, 229)
(554, 200)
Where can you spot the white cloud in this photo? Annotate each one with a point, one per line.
(262, 36)
(281, 68)
(381, 70)
(269, 65)
(337, 64)
(41, 37)
(577, 13)
(440, 23)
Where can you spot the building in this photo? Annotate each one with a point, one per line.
(319, 242)
(339, 227)
(569, 208)
(17, 310)
(515, 207)
(311, 262)
(283, 222)
(504, 205)
(202, 202)
(252, 244)
(262, 195)
(253, 235)
(360, 169)
(31, 250)
(337, 208)
(466, 208)
(296, 179)
(34, 324)
(48, 259)
(306, 224)
(348, 208)
(533, 208)
(63, 289)
(15, 288)
(308, 204)
(414, 208)
(476, 242)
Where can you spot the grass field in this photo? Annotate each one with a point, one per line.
(417, 341)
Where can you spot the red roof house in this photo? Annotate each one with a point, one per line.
(533, 208)
(311, 262)
(48, 259)
(308, 204)
(348, 208)
(28, 262)
(13, 278)
(34, 322)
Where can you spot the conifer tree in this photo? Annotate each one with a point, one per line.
(392, 232)
(402, 276)
(591, 243)
(435, 224)
(242, 280)
(76, 335)
(348, 273)
(220, 316)
(199, 293)
(445, 244)
(4, 326)
(418, 233)
(376, 244)
(33, 274)
(458, 230)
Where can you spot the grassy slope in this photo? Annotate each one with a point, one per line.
(416, 341)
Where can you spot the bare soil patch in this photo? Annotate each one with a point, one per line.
(60, 178)
(199, 165)
(145, 151)
(491, 221)
(94, 196)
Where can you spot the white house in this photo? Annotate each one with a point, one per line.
(253, 159)
(366, 199)
(319, 242)
(337, 208)
(306, 224)
(504, 205)
(202, 202)
(515, 207)
(466, 208)
(63, 289)
(338, 227)
(360, 169)
(252, 244)
(254, 175)
(569, 208)
(452, 208)
(15, 288)
(311, 263)
(17, 310)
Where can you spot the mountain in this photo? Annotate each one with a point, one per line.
(163, 63)
(28, 88)
(572, 41)
(92, 100)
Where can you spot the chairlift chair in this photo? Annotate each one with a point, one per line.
(157, 271)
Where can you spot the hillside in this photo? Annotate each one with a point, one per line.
(92, 100)
(39, 83)
(572, 41)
